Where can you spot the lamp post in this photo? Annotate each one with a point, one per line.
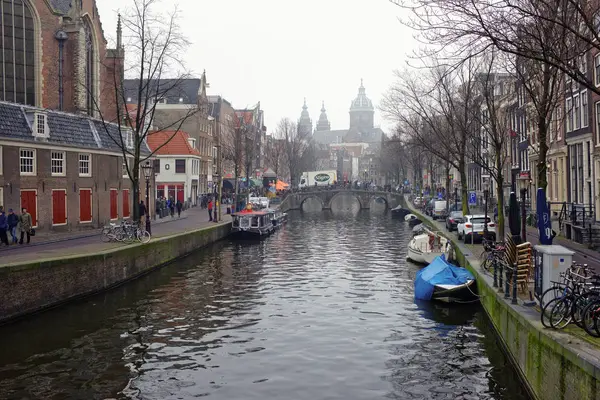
(455, 198)
(523, 184)
(147, 170)
(486, 193)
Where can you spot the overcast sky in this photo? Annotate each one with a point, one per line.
(280, 51)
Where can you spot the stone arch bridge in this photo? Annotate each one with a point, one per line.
(294, 201)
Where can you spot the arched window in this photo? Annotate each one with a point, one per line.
(17, 52)
(90, 78)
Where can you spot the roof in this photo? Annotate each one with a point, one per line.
(179, 144)
(170, 89)
(348, 136)
(60, 6)
(66, 130)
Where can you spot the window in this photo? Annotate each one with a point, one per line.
(40, 127)
(17, 82)
(584, 110)
(597, 123)
(597, 69)
(27, 161)
(576, 112)
(583, 64)
(85, 165)
(124, 168)
(57, 163)
(569, 105)
(156, 166)
(180, 166)
(90, 76)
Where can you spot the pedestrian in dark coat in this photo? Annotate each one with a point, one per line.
(3, 228)
(179, 206)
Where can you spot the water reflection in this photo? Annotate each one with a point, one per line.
(323, 309)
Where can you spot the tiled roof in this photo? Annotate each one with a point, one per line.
(173, 89)
(67, 130)
(60, 6)
(179, 144)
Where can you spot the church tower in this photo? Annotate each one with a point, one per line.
(361, 111)
(305, 123)
(323, 123)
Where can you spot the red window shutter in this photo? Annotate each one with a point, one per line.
(29, 201)
(85, 205)
(114, 213)
(59, 215)
(126, 212)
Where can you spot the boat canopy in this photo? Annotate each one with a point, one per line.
(439, 272)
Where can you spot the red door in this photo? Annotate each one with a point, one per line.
(29, 201)
(125, 203)
(85, 205)
(180, 193)
(114, 212)
(59, 207)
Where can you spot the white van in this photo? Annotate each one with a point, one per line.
(439, 209)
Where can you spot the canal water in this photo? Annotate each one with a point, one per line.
(323, 309)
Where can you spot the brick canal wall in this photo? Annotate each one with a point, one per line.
(29, 287)
(552, 364)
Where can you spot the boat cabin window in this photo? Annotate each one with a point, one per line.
(254, 222)
(236, 222)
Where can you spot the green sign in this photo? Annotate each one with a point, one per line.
(322, 177)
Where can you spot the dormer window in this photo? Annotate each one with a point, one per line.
(40, 125)
(192, 142)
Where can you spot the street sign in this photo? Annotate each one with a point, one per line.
(440, 196)
(472, 198)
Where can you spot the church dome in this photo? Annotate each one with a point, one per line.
(361, 102)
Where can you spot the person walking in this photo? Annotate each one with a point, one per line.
(26, 224)
(179, 206)
(3, 227)
(172, 207)
(12, 221)
(142, 210)
(210, 208)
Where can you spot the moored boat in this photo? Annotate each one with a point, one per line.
(251, 223)
(425, 247)
(443, 281)
(399, 212)
(277, 217)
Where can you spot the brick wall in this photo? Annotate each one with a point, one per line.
(106, 174)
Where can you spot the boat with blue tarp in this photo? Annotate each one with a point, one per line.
(443, 281)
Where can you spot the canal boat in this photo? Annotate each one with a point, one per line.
(425, 247)
(443, 281)
(278, 218)
(399, 212)
(250, 223)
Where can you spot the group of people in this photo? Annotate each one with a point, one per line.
(162, 203)
(18, 226)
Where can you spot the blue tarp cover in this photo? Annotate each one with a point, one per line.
(439, 272)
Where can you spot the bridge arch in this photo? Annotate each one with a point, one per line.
(382, 197)
(347, 193)
(311, 196)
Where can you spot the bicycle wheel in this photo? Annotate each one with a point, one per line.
(106, 235)
(546, 312)
(560, 314)
(579, 304)
(589, 317)
(143, 236)
(551, 293)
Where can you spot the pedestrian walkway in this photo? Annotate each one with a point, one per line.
(86, 243)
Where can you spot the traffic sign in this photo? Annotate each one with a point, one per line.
(472, 198)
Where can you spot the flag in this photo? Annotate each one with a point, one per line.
(512, 133)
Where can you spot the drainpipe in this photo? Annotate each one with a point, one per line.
(62, 37)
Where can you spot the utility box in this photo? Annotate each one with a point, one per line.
(550, 262)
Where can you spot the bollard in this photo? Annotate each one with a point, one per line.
(507, 277)
(514, 290)
(495, 274)
(500, 278)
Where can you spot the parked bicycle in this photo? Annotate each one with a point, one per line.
(125, 232)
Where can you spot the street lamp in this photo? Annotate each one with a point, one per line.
(455, 198)
(147, 170)
(486, 193)
(523, 183)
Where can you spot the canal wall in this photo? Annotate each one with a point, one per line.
(34, 286)
(552, 364)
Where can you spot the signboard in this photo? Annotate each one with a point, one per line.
(472, 198)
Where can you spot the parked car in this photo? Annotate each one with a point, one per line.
(439, 209)
(453, 220)
(471, 228)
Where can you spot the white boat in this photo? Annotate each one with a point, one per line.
(424, 248)
(409, 217)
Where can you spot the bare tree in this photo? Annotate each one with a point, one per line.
(435, 109)
(394, 158)
(546, 39)
(233, 138)
(297, 147)
(154, 46)
(275, 154)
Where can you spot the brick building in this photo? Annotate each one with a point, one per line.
(56, 78)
